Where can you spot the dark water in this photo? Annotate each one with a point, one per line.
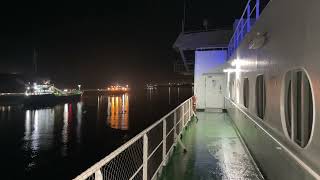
(62, 141)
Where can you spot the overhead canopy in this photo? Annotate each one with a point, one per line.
(188, 42)
(207, 39)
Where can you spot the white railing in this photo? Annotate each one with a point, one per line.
(143, 156)
(249, 16)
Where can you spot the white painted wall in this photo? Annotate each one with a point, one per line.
(291, 31)
(206, 62)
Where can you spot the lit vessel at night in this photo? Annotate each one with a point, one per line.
(47, 94)
(41, 94)
(117, 89)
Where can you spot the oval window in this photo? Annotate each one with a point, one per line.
(298, 107)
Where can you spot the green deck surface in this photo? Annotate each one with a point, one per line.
(214, 151)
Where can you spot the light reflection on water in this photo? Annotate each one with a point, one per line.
(118, 112)
(41, 140)
(79, 120)
(38, 127)
(40, 123)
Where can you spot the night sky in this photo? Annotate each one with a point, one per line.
(99, 43)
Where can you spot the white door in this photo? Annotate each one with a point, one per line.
(215, 90)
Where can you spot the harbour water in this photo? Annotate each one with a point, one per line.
(62, 141)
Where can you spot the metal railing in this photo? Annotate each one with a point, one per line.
(144, 155)
(249, 16)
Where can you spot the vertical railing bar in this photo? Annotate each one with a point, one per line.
(189, 103)
(183, 114)
(145, 157)
(191, 106)
(98, 175)
(175, 126)
(257, 9)
(164, 142)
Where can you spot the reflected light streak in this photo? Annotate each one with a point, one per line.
(149, 95)
(27, 131)
(67, 117)
(39, 129)
(118, 112)
(65, 124)
(35, 133)
(5, 111)
(79, 120)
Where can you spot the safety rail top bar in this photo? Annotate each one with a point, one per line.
(94, 172)
(239, 30)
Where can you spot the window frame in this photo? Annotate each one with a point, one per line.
(301, 120)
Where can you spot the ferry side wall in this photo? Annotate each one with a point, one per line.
(291, 28)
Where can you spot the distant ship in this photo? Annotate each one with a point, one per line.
(41, 95)
(46, 94)
(117, 89)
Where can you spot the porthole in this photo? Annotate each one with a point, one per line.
(260, 96)
(298, 107)
(246, 92)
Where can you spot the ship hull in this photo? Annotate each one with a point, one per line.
(50, 99)
(38, 100)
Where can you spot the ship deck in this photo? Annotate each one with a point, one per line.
(214, 151)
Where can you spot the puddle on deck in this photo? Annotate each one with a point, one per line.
(232, 160)
(214, 151)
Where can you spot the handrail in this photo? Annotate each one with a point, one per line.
(238, 32)
(100, 169)
(247, 19)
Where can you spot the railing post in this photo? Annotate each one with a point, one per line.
(174, 126)
(190, 109)
(257, 9)
(98, 175)
(164, 143)
(145, 157)
(248, 18)
(183, 115)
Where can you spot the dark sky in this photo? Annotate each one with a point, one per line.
(98, 43)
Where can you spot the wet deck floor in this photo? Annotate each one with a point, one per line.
(214, 151)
